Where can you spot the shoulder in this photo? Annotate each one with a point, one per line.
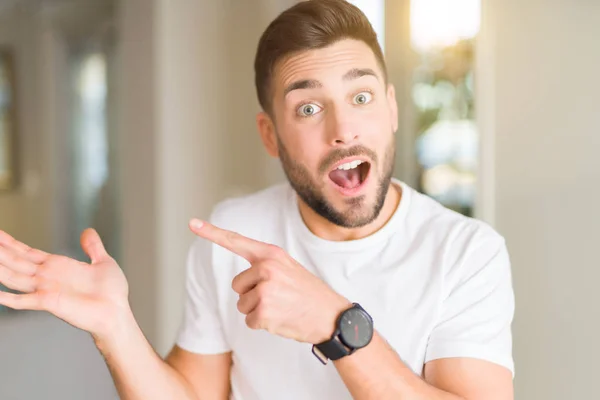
(462, 245)
(427, 216)
(254, 214)
(238, 210)
(467, 252)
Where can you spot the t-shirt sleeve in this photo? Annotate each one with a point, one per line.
(478, 307)
(201, 329)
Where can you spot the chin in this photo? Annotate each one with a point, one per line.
(353, 212)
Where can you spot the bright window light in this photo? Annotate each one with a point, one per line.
(442, 23)
(375, 12)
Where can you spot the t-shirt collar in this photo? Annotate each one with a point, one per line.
(299, 227)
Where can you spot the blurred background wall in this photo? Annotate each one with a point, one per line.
(547, 142)
(133, 116)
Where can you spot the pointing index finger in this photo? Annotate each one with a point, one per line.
(243, 246)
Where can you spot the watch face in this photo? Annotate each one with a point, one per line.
(356, 328)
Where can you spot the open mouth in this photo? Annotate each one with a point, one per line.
(350, 175)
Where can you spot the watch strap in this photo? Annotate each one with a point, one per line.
(332, 349)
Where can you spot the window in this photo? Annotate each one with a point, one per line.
(92, 195)
(442, 36)
(7, 121)
(375, 12)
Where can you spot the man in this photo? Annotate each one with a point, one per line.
(343, 282)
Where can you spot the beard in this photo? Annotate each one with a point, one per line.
(359, 212)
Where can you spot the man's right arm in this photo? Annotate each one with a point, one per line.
(94, 297)
(140, 374)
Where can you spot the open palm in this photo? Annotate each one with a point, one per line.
(88, 296)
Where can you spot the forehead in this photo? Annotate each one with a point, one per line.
(330, 62)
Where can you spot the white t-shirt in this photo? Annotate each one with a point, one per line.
(436, 283)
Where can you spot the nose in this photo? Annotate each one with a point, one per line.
(341, 130)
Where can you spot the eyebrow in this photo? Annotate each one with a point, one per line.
(303, 84)
(354, 73)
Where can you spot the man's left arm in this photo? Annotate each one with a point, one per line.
(467, 351)
(377, 372)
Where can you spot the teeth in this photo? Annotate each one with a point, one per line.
(350, 165)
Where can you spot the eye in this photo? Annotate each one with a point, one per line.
(308, 109)
(363, 98)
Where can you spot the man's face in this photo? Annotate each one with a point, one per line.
(334, 128)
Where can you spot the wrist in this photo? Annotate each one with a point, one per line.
(353, 331)
(115, 334)
(328, 325)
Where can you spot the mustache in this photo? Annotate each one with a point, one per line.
(339, 154)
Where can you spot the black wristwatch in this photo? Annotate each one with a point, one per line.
(354, 330)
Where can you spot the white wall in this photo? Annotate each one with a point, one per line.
(253, 167)
(137, 131)
(192, 99)
(547, 133)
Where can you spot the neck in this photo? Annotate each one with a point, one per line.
(329, 231)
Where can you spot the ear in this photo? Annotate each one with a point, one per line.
(266, 128)
(393, 104)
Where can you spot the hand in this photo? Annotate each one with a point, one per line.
(91, 297)
(278, 294)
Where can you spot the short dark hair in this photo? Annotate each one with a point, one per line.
(309, 25)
